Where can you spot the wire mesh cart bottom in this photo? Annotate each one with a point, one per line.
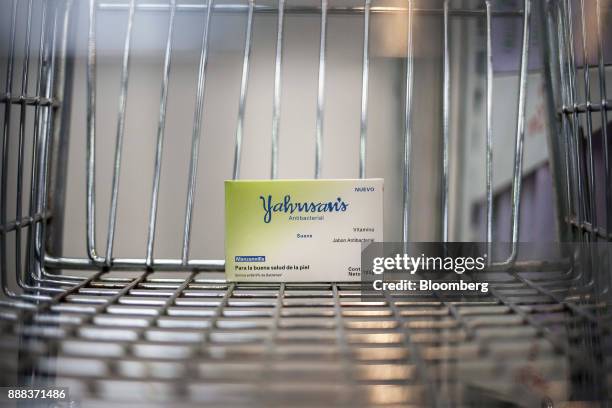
(192, 338)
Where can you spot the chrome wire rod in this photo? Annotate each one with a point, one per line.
(34, 249)
(66, 262)
(91, 134)
(575, 123)
(408, 127)
(563, 137)
(23, 222)
(161, 130)
(20, 148)
(298, 9)
(195, 137)
(5, 153)
(489, 134)
(566, 125)
(321, 92)
(520, 136)
(445, 124)
(589, 127)
(26, 293)
(123, 93)
(243, 91)
(363, 124)
(46, 131)
(29, 100)
(36, 144)
(48, 66)
(277, 88)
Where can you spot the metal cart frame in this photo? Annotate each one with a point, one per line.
(222, 342)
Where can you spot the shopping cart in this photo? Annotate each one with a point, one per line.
(141, 328)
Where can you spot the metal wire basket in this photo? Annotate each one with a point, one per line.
(145, 329)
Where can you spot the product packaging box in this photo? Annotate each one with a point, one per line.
(300, 230)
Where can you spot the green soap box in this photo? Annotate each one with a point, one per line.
(300, 230)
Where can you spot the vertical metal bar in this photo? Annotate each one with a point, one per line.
(489, 140)
(577, 150)
(36, 143)
(589, 126)
(565, 121)
(570, 168)
(49, 66)
(407, 127)
(445, 124)
(160, 138)
(363, 128)
(555, 98)
(195, 137)
(91, 133)
(61, 139)
(51, 133)
(55, 186)
(50, 85)
(321, 91)
(125, 70)
(604, 120)
(243, 91)
(21, 151)
(277, 88)
(44, 130)
(520, 131)
(49, 58)
(5, 147)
